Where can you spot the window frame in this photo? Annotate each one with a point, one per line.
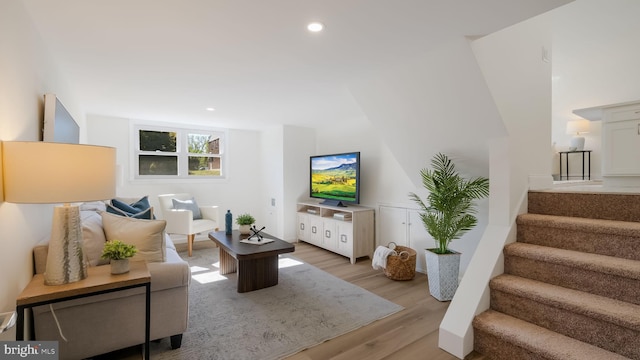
(182, 152)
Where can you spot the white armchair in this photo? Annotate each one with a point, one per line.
(181, 220)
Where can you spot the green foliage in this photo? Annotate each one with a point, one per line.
(334, 183)
(157, 141)
(117, 250)
(198, 143)
(245, 219)
(450, 208)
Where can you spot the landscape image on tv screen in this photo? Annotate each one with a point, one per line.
(335, 177)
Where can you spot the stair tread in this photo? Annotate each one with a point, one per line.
(596, 205)
(599, 307)
(538, 339)
(588, 261)
(600, 226)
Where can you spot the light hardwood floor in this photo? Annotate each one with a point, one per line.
(409, 334)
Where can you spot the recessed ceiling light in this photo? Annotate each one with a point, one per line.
(315, 27)
(210, 109)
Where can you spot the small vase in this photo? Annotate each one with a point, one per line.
(245, 229)
(119, 266)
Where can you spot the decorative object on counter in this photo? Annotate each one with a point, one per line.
(245, 221)
(52, 173)
(119, 254)
(255, 233)
(576, 128)
(228, 222)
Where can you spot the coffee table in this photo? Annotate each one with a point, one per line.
(257, 265)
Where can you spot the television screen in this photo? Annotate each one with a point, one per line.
(336, 178)
(59, 126)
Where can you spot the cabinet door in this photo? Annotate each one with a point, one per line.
(303, 225)
(329, 235)
(345, 238)
(419, 239)
(315, 230)
(392, 226)
(621, 148)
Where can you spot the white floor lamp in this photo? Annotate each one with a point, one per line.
(45, 173)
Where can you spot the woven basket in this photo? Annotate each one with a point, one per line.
(401, 266)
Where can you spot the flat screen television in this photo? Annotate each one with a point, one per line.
(335, 178)
(59, 125)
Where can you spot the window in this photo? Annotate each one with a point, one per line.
(173, 153)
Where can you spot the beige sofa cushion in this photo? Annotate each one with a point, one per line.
(93, 237)
(147, 235)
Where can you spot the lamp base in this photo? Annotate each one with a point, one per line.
(65, 260)
(577, 142)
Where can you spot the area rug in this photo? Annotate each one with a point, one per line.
(307, 307)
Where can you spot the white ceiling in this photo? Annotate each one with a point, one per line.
(253, 60)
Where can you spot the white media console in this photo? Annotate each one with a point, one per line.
(348, 231)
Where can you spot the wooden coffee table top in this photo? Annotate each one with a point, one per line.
(241, 251)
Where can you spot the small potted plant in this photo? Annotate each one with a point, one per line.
(245, 221)
(119, 254)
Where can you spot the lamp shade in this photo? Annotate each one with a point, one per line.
(575, 127)
(44, 172)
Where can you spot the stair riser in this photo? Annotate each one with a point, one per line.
(603, 334)
(625, 247)
(612, 286)
(496, 348)
(624, 207)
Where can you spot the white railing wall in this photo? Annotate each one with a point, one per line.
(508, 197)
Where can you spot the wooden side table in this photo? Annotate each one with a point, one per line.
(99, 281)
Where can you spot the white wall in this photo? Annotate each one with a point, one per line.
(241, 192)
(271, 163)
(299, 144)
(284, 156)
(435, 103)
(520, 82)
(27, 74)
(595, 62)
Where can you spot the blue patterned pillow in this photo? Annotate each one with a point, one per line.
(140, 209)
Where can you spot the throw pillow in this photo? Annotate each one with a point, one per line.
(146, 235)
(144, 214)
(188, 205)
(93, 206)
(93, 238)
(140, 209)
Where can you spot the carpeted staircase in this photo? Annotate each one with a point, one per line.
(571, 286)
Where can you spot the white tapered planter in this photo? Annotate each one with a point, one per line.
(442, 272)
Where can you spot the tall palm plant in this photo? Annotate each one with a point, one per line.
(450, 208)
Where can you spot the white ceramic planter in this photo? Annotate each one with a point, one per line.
(119, 266)
(442, 272)
(245, 229)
